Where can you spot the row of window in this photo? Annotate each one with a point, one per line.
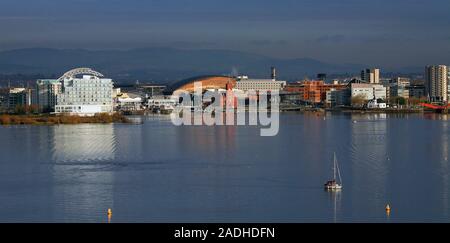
(75, 108)
(91, 90)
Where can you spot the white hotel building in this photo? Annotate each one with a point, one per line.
(85, 95)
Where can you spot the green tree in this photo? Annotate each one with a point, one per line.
(359, 100)
(397, 100)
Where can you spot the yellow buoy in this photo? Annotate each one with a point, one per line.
(109, 215)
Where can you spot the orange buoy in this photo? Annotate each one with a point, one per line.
(388, 208)
(109, 213)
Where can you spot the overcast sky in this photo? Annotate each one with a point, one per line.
(377, 32)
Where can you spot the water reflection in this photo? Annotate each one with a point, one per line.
(436, 116)
(83, 143)
(156, 172)
(83, 174)
(370, 158)
(335, 199)
(444, 165)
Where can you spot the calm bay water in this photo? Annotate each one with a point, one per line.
(156, 172)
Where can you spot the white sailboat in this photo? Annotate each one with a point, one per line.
(334, 184)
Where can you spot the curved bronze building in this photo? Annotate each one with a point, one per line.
(208, 82)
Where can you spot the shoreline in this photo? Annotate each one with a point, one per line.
(105, 118)
(49, 119)
(354, 110)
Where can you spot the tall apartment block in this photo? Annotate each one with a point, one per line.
(436, 82)
(371, 76)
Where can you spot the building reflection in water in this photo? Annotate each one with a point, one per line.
(214, 142)
(85, 142)
(444, 160)
(436, 116)
(369, 155)
(209, 152)
(441, 148)
(83, 171)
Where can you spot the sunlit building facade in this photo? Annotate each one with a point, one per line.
(85, 96)
(399, 87)
(46, 93)
(436, 81)
(371, 76)
(368, 91)
(313, 91)
(246, 84)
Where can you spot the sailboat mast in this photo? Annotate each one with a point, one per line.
(339, 173)
(334, 167)
(338, 170)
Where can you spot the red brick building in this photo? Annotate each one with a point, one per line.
(312, 91)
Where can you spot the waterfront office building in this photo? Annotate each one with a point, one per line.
(338, 97)
(19, 97)
(46, 93)
(368, 91)
(85, 96)
(245, 84)
(314, 91)
(417, 91)
(371, 76)
(436, 82)
(399, 87)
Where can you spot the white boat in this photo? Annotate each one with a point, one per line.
(334, 184)
(166, 109)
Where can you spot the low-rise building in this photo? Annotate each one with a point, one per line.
(19, 97)
(160, 100)
(153, 90)
(417, 91)
(313, 91)
(399, 87)
(368, 91)
(246, 84)
(162, 104)
(374, 104)
(342, 97)
(331, 97)
(4, 99)
(128, 102)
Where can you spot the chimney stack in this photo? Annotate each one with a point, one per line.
(273, 73)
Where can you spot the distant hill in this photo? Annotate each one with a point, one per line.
(162, 65)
